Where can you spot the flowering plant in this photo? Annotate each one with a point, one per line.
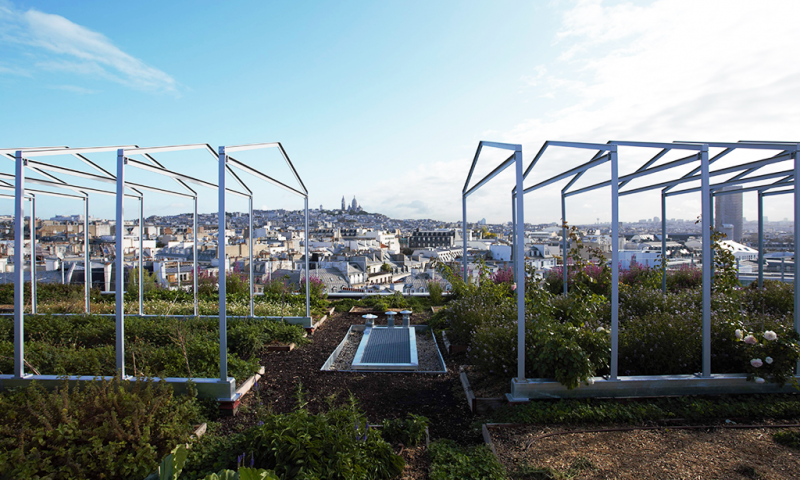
(780, 352)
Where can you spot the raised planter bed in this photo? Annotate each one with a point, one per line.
(482, 405)
(452, 349)
(231, 408)
(320, 321)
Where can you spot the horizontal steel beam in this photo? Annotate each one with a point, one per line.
(577, 170)
(749, 145)
(167, 148)
(653, 160)
(507, 163)
(503, 146)
(782, 192)
(71, 151)
(251, 146)
(694, 178)
(252, 171)
(631, 176)
(678, 146)
(70, 171)
(727, 183)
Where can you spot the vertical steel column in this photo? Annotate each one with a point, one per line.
(796, 240)
(760, 238)
(250, 218)
(514, 230)
(308, 277)
(664, 242)
(464, 235)
(179, 275)
(711, 225)
(614, 263)
(564, 242)
(194, 255)
(141, 255)
(19, 266)
(32, 225)
(520, 268)
(120, 262)
(223, 320)
(87, 258)
(705, 223)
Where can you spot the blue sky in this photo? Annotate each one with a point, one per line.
(387, 100)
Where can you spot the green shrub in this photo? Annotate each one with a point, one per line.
(102, 429)
(451, 461)
(335, 444)
(409, 431)
(789, 438)
(435, 291)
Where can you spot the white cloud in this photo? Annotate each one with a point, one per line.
(74, 89)
(670, 70)
(69, 47)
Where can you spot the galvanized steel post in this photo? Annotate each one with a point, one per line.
(520, 267)
(464, 235)
(141, 255)
(308, 277)
(250, 219)
(760, 239)
(564, 231)
(19, 266)
(223, 320)
(194, 255)
(87, 258)
(663, 241)
(120, 263)
(614, 263)
(796, 158)
(32, 225)
(706, 259)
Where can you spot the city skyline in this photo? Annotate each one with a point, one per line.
(395, 118)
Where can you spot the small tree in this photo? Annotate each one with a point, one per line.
(386, 268)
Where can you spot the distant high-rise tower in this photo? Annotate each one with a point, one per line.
(344, 204)
(728, 211)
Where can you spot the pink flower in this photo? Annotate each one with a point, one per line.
(750, 340)
(756, 362)
(770, 335)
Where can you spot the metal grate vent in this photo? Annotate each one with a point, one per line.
(389, 345)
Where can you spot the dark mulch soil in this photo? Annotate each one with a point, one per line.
(381, 395)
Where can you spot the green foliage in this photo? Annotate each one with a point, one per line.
(85, 345)
(692, 409)
(789, 438)
(409, 431)
(102, 429)
(172, 465)
(386, 268)
(435, 291)
(726, 275)
(449, 461)
(335, 444)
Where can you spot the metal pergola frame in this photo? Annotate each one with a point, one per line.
(703, 382)
(222, 388)
(518, 218)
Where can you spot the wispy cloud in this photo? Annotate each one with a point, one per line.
(59, 44)
(74, 89)
(668, 70)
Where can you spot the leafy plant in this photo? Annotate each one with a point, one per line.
(451, 461)
(409, 431)
(100, 429)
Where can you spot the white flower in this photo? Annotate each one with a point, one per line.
(770, 335)
(759, 380)
(768, 360)
(590, 381)
(739, 333)
(750, 340)
(756, 362)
